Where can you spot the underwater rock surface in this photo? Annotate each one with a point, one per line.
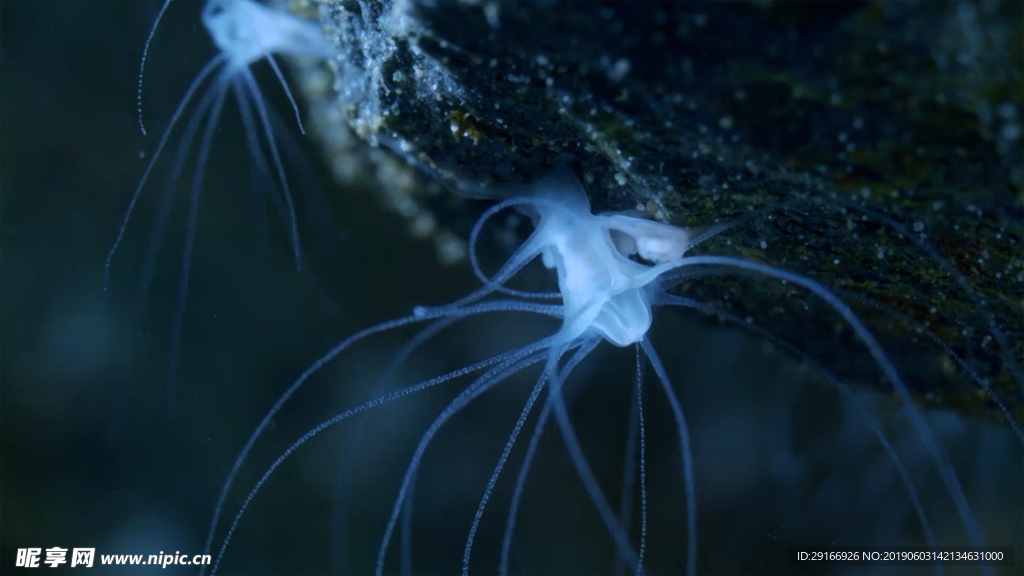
(815, 122)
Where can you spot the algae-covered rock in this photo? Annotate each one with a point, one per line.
(824, 123)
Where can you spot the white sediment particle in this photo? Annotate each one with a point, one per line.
(617, 72)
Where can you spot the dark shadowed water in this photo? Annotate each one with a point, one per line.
(91, 459)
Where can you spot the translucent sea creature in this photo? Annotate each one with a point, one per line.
(612, 270)
(244, 32)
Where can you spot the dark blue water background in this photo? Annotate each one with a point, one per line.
(90, 459)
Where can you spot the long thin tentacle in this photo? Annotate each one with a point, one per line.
(287, 91)
(405, 552)
(253, 138)
(142, 63)
(166, 202)
(580, 354)
(524, 470)
(210, 66)
(534, 394)
(355, 439)
(517, 493)
(257, 98)
(643, 467)
(186, 259)
(629, 467)
(327, 358)
(1009, 358)
(687, 456)
(637, 428)
(590, 483)
(676, 277)
(522, 358)
(520, 258)
(939, 457)
(474, 237)
(838, 384)
(405, 540)
(338, 418)
(971, 373)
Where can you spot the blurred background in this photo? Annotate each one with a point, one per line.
(91, 459)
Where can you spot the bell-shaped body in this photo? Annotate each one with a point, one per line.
(598, 284)
(246, 30)
(604, 292)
